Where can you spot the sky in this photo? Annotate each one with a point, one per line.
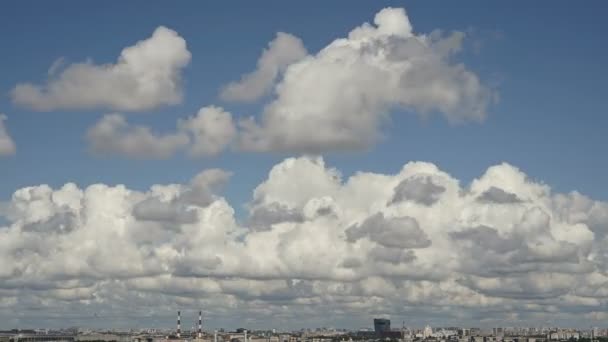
(303, 164)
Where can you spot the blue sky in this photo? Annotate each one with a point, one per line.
(544, 62)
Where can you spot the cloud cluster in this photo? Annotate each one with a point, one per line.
(340, 97)
(207, 133)
(7, 145)
(367, 244)
(311, 239)
(336, 99)
(146, 75)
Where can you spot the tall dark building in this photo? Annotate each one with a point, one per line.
(382, 325)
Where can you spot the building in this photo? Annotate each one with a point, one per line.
(382, 325)
(41, 338)
(428, 332)
(103, 338)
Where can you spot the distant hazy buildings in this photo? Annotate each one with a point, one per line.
(382, 332)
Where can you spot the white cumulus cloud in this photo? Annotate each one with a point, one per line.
(112, 134)
(339, 98)
(146, 75)
(207, 133)
(212, 130)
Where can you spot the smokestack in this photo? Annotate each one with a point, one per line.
(215, 336)
(179, 325)
(200, 324)
(245, 335)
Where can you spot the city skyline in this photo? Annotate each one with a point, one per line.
(311, 164)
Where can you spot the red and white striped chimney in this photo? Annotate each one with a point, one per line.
(200, 324)
(179, 325)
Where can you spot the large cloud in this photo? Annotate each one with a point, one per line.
(313, 241)
(146, 75)
(207, 133)
(339, 98)
(7, 145)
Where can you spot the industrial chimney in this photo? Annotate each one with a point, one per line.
(200, 324)
(179, 325)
